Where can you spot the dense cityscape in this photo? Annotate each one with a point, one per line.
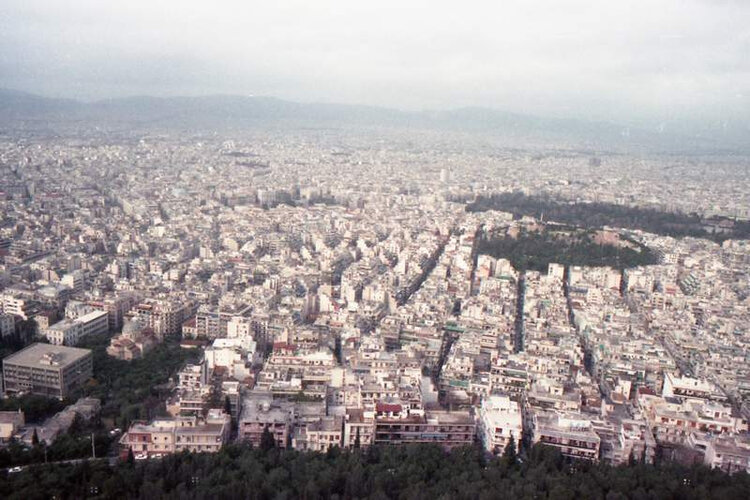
(414, 250)
(328, 290)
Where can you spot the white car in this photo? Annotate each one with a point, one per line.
(14, 470)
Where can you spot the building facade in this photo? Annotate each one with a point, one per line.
(47, 370)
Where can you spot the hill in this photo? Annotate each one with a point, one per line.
(23, 111)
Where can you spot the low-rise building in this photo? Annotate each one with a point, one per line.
(571, 433)
(326, 432)
(7, 325)
(449, 429)
(10, 423)
(690, 388)
(134, 341)
(172, 435)
(47, 370)
(260, 412)
(86, 409)
(728, 453)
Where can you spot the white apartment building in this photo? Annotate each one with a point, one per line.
(70, 331)
(500, 419)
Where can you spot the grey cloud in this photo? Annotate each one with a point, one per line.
(638, 59)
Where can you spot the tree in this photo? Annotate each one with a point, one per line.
(406, 471)
(509, 453)
(76, 426)
(35, 438)
(357, 442)
(337, 349)
(267, 441)
(34, 407)
(131, 457)
(227, 405)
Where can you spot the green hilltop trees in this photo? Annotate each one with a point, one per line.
(409, 472)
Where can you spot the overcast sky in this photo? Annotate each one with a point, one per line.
(604, 59)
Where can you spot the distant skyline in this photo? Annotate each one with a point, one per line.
(638, 61)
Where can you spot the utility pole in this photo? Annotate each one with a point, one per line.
(93, 447)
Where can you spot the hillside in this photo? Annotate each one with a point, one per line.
(28, 112)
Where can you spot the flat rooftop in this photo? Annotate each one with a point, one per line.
(47, 355)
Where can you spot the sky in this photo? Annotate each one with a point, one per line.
(598, 59)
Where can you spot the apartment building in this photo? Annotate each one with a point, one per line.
(448, 429)
(728, 453)
(499, 419)
(359, 427)
(571, 433)
(326, 432)
(172, 435)
(260, 412)
(71, 331)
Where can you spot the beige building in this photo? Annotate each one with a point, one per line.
(358, 424)
(164, 317)
(70, 331)
(325, 433)
(448, 429)
(134, 341)
(571, 433)
(10, 423)
(173, 435)
(728, 453)
(47, 370)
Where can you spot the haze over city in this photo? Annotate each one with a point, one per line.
(639, 61)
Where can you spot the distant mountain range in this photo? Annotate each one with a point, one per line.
(23, 111)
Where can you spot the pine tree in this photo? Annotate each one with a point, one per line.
(131, 457)
(267, 441)
(227, 406)
(357, 442)
(509, 453)
(35, 438)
